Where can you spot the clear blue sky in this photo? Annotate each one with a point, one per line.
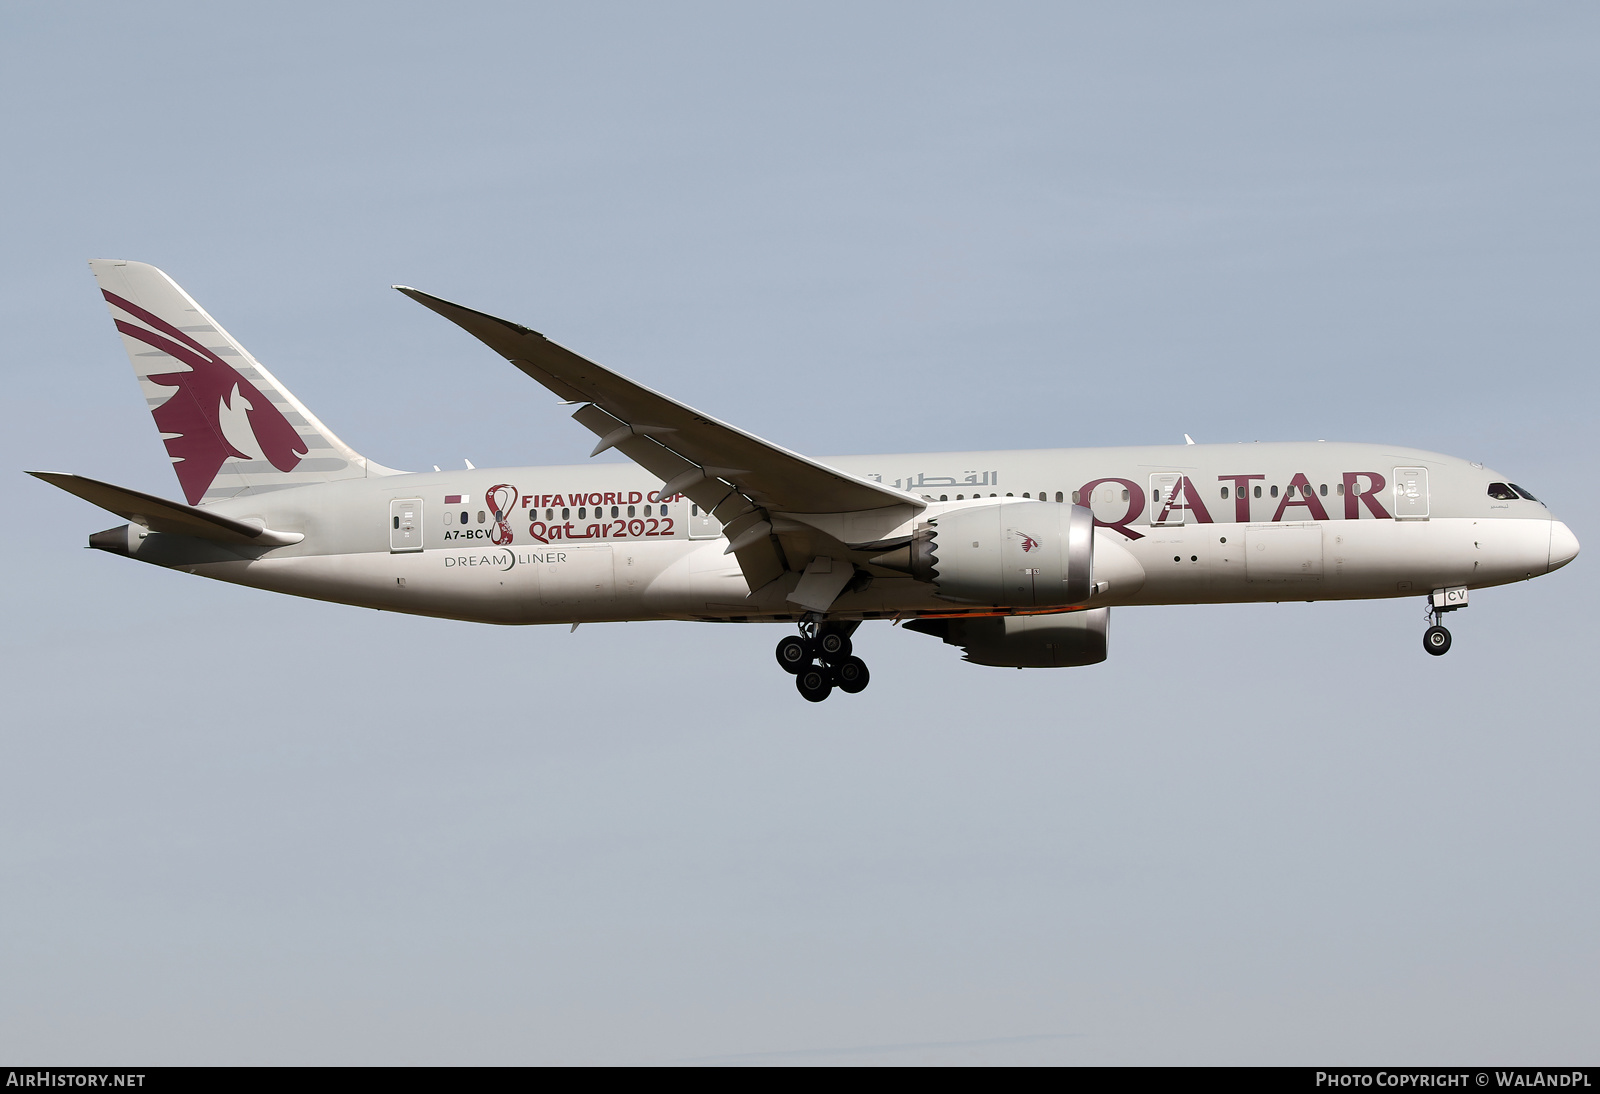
(240, 828)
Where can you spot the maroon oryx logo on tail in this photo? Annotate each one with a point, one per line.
(191, 419)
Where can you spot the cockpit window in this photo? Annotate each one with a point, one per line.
(1524, 493)
(1499, 491)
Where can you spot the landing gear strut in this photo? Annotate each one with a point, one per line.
(1436, 640)
(820, 659)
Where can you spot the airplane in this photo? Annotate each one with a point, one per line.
(1015, 557)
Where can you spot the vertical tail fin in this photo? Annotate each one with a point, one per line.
(230, 428)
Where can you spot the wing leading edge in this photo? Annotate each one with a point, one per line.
(780, 510)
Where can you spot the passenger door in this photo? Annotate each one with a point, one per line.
(1162, 489)
(1411, 493)
(702, 525)
(405, 525)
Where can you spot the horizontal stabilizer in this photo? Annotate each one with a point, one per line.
(173, 517)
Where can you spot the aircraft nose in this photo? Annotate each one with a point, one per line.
(1563, 545)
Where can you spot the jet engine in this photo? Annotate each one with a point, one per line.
(1022, 554)
(1057, 641)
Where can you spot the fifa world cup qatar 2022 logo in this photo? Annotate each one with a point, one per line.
(501, 499)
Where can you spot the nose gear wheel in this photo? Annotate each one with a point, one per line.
(1436, 640)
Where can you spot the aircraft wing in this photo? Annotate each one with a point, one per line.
(760, 492)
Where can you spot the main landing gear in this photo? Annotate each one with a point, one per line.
(820, 659)
(1436, 640)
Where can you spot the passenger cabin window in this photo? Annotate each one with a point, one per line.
(1074, 496)
(480, 516)
(1224, 493)
(1499, 491)
(463, 516)
(1274, 491)
(1524, 493)
(1258, 491)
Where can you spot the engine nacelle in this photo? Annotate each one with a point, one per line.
(1021, 554)
(1026, 641)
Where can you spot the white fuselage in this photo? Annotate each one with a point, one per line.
(1175, 525)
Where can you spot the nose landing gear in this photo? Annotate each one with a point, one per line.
(820, 659)
(1436, 640)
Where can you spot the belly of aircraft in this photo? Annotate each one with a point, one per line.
(1334, 560)
(1188, 564)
